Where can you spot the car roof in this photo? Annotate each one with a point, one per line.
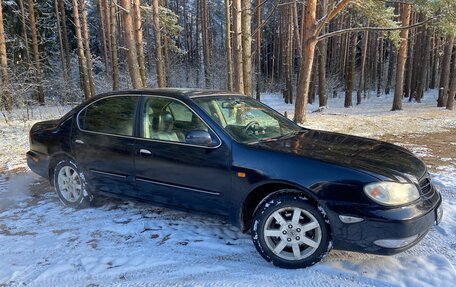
(178, 93)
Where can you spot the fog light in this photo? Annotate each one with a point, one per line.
(349, 219)
(395, 243)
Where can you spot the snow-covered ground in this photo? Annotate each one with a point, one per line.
(133, 244)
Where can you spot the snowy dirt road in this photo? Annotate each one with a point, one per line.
(133, 244)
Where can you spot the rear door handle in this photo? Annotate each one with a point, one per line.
(79, 141)
(145, 152)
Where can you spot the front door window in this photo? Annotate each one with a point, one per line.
(167, 119)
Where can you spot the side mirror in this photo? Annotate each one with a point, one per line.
(199, 137)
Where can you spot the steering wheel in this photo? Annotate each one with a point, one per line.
(252, 127)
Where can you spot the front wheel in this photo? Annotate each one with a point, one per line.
(70, 184)
(290, 232)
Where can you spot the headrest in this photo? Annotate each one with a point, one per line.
(166, 121)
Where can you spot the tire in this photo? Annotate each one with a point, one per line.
(70, 185)
(299, 242)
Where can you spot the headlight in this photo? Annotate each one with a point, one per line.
(391, 193)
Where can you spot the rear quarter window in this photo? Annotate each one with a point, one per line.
(113, 115)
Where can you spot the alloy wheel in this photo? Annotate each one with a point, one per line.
(69, 183)
(292, 233)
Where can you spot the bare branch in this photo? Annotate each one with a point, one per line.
(348, 30)
(267, 18)
(331, 14)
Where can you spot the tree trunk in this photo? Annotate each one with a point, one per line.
(229, 63)
(350, 70)
(313, 83)
(423, 72)
(88, 54)
(288, 53)
(39, 96)
(66, 43)
(452, 92)
(61, 48)
(107, 10)
(401, 58)
(306, 62)
(435, 60)
(206, 42)
(6, 92)
(139, 40)
(237, 41)
(391, 61)
(113, 47)
(130, 41)
(321, 60)
(197, 55)
(158, 46)
(247, 47)
(297, 32)
(24, 32)
(176, 11)
(165, 51)
(362, 78)
(445, 72)
(416, 65)
(258, 46)
(408, 73)
(186, 32)
(322, 84)
(380, 66)
(103, 44)
(374, 61)
(150, 53)
(80, 51)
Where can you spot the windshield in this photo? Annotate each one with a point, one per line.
(245, 119)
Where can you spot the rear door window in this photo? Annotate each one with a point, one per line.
(112, 115)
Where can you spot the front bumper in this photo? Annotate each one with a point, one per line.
(384, 231)
(38, 163)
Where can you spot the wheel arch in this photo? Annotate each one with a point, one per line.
(267, 190)
(54, 160)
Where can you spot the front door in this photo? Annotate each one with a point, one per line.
(103, 144)
(172, 172)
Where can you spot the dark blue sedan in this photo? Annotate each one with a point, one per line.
(300, 192)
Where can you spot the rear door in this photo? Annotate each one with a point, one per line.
(172, 172)
(103, 143)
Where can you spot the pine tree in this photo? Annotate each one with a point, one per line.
(80, 51)
(113, 46)
(6, 93)
(237, 42)
(158, 45)
(229, 62)
(130, 41)
(401, 58)
(88, 53)
(246, 46)
(139, 40)
(445, 72)
(39, 95)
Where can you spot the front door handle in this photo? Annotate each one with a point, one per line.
(145, 152)
(79, 141)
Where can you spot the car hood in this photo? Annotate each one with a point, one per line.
(370, 155)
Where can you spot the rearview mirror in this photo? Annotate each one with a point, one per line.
(199, 137)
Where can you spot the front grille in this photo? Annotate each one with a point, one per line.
(425, 186)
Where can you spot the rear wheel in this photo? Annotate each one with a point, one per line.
(290, 232)
(70, 184)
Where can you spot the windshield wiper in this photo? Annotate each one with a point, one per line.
(288, 135)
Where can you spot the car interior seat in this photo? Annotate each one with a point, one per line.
(165, 130)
